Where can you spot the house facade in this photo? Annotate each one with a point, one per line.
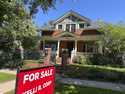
(71, 31)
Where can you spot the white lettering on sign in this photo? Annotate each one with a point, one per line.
(31, 77)
(46, 84)
(36, 76)
(38, 88)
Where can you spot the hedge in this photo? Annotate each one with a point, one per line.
(94, 72)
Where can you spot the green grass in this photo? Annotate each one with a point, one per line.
(103, 67)
(28, 64)
(94, 72)
(30, 61)
(72, 89)
(6, 77)
(10, 92)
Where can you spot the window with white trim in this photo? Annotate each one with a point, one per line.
(81, 25)
(59, 26)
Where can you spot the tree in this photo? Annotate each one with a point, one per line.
(15, 25)
(113, 40)
(114, 37)
(45, 5)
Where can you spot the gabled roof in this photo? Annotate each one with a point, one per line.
(71, 12)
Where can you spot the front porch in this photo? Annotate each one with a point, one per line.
(82, 44)
(81, 47)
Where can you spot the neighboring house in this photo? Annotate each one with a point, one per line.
(69, 31)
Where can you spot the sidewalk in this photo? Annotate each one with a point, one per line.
(8, 71)
(7, 86)
(97, 84)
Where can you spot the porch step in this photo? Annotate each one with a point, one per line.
(59, 60)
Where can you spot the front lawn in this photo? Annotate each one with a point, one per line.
(10, 92)
(6, 77)
(30, 64)
(94, 72)
(72, 89)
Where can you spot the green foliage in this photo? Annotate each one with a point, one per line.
(30, 42)
(32, 54)
(113, 42)
(106, 60)
(93, 72)
(73, 89)
(15, 26)
(45, 5)
(114, 38)
(6, 39)
(81, 60)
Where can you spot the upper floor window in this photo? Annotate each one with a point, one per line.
(73, 27)
(59, 26)
(70, 27)
(81, 25)
(88, 25)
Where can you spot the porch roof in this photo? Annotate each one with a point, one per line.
(78, 38)
(55, 35)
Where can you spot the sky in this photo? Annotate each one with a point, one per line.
(111, 11)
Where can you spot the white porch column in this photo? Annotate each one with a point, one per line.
(100, 49)
(75, 46)
(58, 49)
(64, 27)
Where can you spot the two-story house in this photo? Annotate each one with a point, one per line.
(69, 31)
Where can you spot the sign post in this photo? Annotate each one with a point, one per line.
(36, 81)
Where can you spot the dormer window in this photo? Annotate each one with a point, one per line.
(59, 26)
(81, 25)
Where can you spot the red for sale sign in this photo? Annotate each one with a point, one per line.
(36, 81)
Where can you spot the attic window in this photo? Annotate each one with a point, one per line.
(59, 26)
(81, 25)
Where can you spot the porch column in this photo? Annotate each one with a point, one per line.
(75, 46)
(100, 48)
(58, 49)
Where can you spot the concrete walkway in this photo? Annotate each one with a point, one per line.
(97, 84)
(7, 86)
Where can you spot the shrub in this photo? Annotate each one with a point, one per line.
(10, 60)
(32, 54)
(93, 72)
(81, 60)
(100, 59)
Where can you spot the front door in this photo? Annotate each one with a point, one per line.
(67, 45)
